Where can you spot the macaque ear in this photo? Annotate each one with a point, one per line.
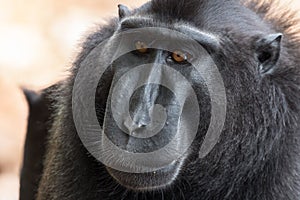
(123, 11)
(267, 52)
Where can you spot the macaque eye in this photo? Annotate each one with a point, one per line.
(141, 47)
(180, 56)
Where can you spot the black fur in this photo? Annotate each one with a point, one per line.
(257, 156)
(39, 122)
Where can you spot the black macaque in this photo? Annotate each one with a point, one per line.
(255, 46)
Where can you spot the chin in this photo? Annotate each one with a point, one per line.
(149, 181)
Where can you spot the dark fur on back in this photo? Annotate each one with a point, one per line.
(257, 156)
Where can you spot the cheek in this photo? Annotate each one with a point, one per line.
(102, 94)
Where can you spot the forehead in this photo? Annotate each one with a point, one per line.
(175, 31)
(215, 16)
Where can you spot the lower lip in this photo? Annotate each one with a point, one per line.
(169, 173)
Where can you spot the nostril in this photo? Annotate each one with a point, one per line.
(141, 117)
(141, 120)
(142, 125)
(132, 126)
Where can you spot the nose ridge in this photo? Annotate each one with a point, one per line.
(141, 116)
(143, 100)
(142, 104)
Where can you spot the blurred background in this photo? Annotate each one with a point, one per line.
(38, 39)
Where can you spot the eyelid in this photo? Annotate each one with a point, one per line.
(184, 57)
(188, 55)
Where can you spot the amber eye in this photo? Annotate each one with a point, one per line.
(179, 56)
(141, 47)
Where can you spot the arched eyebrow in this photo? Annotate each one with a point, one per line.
(136, 22)
(210, 41)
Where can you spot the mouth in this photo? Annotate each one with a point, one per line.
(147, 181)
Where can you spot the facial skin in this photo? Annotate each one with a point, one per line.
(141, 111)
(256, 155)
(146, 100)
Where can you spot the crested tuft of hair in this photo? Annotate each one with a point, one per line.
(176, 8)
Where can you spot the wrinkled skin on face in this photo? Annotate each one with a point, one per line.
(143, 112)
(255, 156)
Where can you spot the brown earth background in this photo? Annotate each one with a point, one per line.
(38, 40)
